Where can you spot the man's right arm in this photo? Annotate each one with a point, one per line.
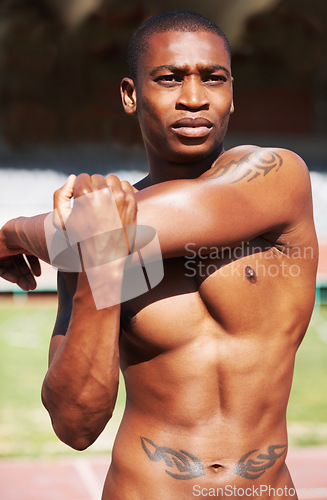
(80, 387)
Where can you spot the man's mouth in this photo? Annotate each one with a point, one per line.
(192, 127)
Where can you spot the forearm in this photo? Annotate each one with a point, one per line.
(80, 388)
(27, 234)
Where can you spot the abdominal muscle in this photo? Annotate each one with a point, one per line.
(206, 428)
(152, 462)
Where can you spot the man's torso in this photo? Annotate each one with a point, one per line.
(207, 358)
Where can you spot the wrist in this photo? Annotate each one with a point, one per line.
(101, 286)
(10, 234)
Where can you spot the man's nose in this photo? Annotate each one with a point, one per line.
(192, 95)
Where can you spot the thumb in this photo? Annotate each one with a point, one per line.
(62, 199)
(66, 192)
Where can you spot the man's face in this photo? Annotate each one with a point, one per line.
(184, 95)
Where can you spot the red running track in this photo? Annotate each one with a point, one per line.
(82, 478)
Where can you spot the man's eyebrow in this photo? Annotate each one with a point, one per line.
(166, 66)
(184, 69)
(213, 68)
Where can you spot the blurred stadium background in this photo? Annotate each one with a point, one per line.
(61, 62)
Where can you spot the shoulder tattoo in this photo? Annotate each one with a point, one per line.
(249, 167)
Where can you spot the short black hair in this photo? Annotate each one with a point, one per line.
(173, 20)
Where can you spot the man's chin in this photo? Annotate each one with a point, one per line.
(193, 154)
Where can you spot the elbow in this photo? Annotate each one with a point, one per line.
(76, 427)
(76, 440)
(78, 433)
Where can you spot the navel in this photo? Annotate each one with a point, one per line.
(250, 274)
(216, 467)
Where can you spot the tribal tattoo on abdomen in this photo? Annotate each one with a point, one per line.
(185, 465)
(252, 469)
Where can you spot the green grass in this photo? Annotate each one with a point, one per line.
(307, 411)
(25, 428)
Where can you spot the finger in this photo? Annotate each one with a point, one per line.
(129, 193)
(130, 200)
(63, 195)
(113, 182)
(98, 182)
(25, 276)
(26, 283)
(82, 185)
(12, 277)
(69, 186)
(61, 202)
(34, 264)
(7, 269)
(130, 214)
(10, 272)
(127, 187)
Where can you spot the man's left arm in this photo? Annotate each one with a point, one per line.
(252, 193)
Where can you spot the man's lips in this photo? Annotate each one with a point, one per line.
(192, 127)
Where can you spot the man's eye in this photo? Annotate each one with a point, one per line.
(215, 78)
(168, 79)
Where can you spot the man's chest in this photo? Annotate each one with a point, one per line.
(207, 292)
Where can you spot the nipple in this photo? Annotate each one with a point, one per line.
(250, 274)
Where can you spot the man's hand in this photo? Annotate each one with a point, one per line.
(15, 266)
(102, 219)
(21, 267)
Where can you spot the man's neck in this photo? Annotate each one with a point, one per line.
(162, 170)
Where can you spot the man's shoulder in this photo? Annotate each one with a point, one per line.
(248, 151)
(248, 162)
(272, 184)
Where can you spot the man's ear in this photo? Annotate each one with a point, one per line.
(232, 108)
(128, 95)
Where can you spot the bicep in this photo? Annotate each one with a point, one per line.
(224, 210)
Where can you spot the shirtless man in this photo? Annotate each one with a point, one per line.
(208, 354)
